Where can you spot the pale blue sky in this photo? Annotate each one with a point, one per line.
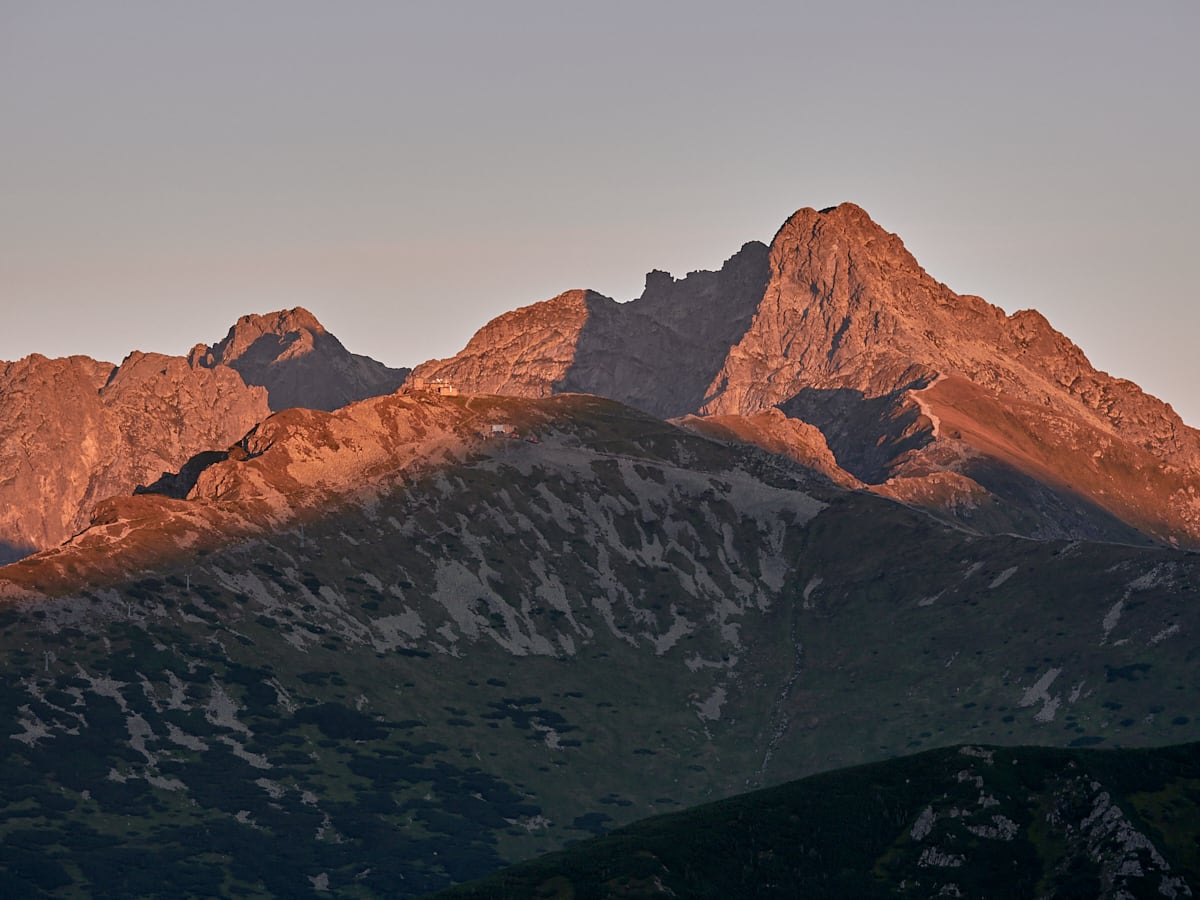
(408, 170)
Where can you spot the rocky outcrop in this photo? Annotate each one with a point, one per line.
(838, 326)
(523, 353)
(298, 362)
(780, 434)
(849, 309)
(658, 352)
(76, 430)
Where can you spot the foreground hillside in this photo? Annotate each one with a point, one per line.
(984, 822)
(375, 651)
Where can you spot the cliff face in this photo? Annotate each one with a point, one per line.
(76, 430)
(299, 363)
(523, 353)
(838, 326)
(848, 308)
(658, 353)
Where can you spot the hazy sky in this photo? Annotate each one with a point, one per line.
(409, 170)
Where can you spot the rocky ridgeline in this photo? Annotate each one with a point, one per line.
(76, 431)
(837, 325)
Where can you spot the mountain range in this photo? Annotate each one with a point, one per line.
(807, 512)
(995, 421)
(75, 431)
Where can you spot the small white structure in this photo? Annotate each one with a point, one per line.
(440, 386)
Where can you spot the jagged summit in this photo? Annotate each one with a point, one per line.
(296, 323)
(291, 354)
(658, 352)
(838, 325)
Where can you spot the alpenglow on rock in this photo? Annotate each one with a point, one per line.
(75, 431)
(996, 421)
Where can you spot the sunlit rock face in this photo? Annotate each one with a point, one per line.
(996, 421)
(75, 431)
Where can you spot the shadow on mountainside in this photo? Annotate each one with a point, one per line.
(325, 376)
(11, 551)
(179, 484)
(661, 352)
(865, 434)
(878, 439)
(1046, 511)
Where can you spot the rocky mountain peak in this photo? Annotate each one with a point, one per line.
(282, 328)
(840, 245)
(291, 354)
(838, 326)
(658, 353)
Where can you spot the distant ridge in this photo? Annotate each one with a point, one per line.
(299, 363)
(75, 431)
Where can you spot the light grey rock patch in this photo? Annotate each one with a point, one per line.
(274, 789)
(813, 583)
(924, 824)
(1001, 829)
(977, 752)
(165, 783)
(177, 736)
(34, 728)
(398, 630)
(1110, 620)
(1003, 577)
(1039, 693)
(680, 627)
(221, 710)
(1167, 632)
(255, 759)
(933, 856)
(710, 708)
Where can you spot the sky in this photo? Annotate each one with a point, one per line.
(408, 170)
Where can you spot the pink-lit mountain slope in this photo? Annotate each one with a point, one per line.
(923, 395)
(74, 431)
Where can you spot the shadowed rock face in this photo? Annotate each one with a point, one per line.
(658, 353)
(298, 362)
(838, 326)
